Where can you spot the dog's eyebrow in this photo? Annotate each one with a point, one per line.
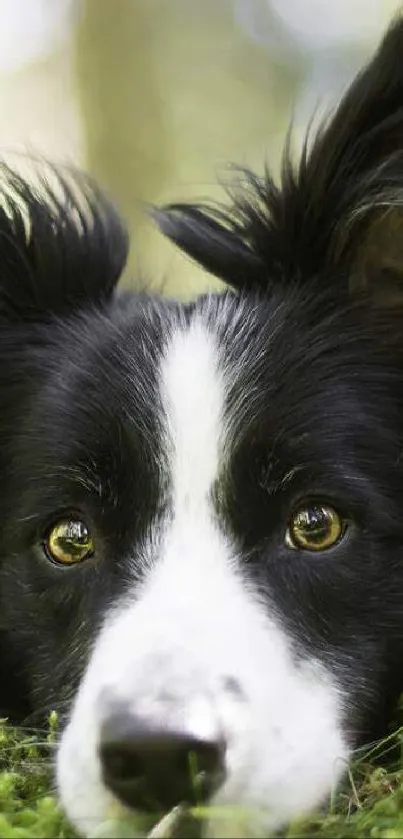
(86, 475)
(282, 483)
(290, 475)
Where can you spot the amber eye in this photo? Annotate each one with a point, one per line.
(314, 528)
(68, 542)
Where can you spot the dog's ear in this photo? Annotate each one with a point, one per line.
(339, 213)
(62, 245)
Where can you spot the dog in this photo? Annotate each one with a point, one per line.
(201, 552)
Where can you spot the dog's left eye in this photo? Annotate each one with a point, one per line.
(314, 527)
(69, 542)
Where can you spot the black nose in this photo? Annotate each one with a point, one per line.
(153, 769)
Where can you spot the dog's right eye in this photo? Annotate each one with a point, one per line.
(68, 542)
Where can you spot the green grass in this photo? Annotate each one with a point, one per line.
(370, 804)
(27, 806)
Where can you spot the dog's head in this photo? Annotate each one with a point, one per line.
(201, 550)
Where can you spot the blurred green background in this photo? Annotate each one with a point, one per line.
(155, 97)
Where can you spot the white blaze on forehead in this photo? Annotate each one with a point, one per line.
(193, 395)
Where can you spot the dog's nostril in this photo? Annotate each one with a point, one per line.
(152, 769)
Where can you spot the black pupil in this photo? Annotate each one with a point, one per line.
(316, 524)
(75, 538)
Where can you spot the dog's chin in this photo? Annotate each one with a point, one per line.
(217, 820)
(183, 822)
(213, 821)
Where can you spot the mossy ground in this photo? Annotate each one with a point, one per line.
(28, 807)
(369, 805)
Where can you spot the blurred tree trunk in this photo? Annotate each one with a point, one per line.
(125, 135)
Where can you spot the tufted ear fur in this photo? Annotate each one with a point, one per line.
(335, 218)
(61, 244)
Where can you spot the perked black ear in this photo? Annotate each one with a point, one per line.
(339, 212)
(61, 244)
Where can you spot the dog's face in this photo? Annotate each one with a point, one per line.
(201, 550)
(193, 450)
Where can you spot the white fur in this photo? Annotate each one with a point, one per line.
(170, 648)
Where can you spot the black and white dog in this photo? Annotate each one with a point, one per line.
(201, 551)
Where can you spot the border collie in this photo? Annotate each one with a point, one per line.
(201, 552)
